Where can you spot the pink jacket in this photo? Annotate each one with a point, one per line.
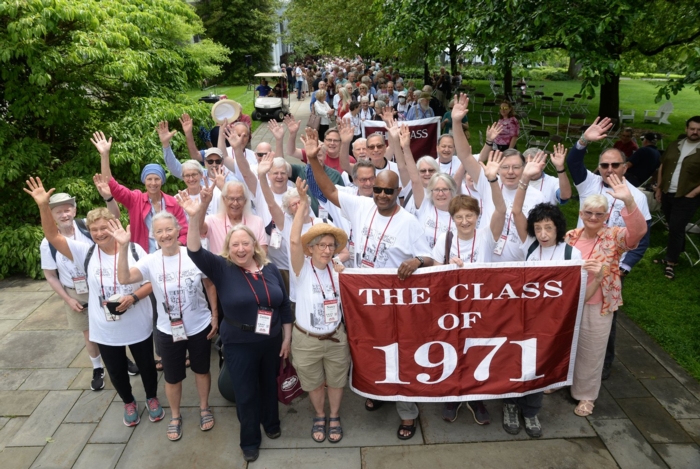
(138, 206)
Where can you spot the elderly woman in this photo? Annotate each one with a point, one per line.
(605, 244)
(320, 349)
(185, 323)
(510, 127)
(256, 309)
(130, 323)
(324, 111)
(364, 91)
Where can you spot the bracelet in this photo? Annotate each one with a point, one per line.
(584, 141)
(491, 181)
(562, 171)
(136, 298)
(109, 200)
(489, 143)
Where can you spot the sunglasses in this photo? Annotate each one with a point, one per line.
(375, 147)
(386, 190)
(606, 165)
(260, 155)
(214, 161)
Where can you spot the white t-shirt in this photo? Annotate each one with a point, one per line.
(433, 221)
(286, 235)
(309, 310)
(551, 253)
(594, 185)
(450, 167)
(475, 194)
(383, 241)
(185, 294)
(277, 256)
(687, 149)
(468, 251)
(136, 324)
(67, 269)
(549, 186)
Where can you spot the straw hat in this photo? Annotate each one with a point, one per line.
(225, 109)
(341, 238)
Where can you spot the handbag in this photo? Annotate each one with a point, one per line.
(288, 384)
(314, 121)
(225, 383)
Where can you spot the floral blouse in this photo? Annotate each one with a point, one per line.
(610, 244)
(511, 128)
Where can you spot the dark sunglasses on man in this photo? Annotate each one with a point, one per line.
(213, 161)
(386, 190)
(606, 165)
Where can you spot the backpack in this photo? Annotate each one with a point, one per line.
(80, 222)
(567, 250)
(132, 246)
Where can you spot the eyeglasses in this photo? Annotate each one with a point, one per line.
(323, 246)
(190, 176)
(331, 140)
(461, 218)
(588, 214)
(238, 200)
(260, 155)
(607, 165)
(365, 180)
(213, 161)
(427, 171)
(386, 190)
(375, 147)
(516, 167)
(440, 190)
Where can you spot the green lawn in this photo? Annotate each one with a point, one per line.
(237, 93)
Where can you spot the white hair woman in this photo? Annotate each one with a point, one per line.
(324, 111)
(185, 323)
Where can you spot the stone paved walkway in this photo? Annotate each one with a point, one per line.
(647, 416)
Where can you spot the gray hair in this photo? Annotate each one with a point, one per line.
(430, 161)
(513, 152)
(291, 193)
(447, 179)
(279, 161)
(192, 165)
(531, 152)
(363, 164)
(163, 215)
(359, 140)
(445, 136)
(224, 192)
(595, 201)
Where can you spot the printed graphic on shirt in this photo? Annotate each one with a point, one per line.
(377, 255)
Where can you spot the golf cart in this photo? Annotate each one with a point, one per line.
(276, 105)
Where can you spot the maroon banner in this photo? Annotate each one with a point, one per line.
(488, 331)
(424, 134)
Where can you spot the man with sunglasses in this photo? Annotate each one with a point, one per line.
(385, 236)
(611, 161)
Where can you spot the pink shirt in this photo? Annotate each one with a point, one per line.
(218, 227)
(511, 128)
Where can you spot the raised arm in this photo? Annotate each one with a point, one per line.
(324, 183)
(595, 132)
(293, 128)
(41, 197)
(559, 161)
(276, 212)
(296, 250)
(490, 172)
(102, 185)
(636, 226)
(196, 211)
(187, 129)
(165, 136)
(103, 147)
(462, 147)
(277, 131)
(238, 149)
(492, 132)
(532, 169)
(125, 275)
(347, 132)
(407, 165)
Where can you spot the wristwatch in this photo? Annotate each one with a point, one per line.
(136, 298)
(420, 259)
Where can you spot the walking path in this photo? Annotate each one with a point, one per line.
(647, 416)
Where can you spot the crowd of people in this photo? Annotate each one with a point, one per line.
(251, 250)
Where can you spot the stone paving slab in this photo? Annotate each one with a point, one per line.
(641, 363)
(49, 317)
(67, 444)
(627, 445)
(680, 456)
(675, 398)
(39, 349)
(111, 428)
(45, 419)
(9, 430)
(6, 325)
(20, 304)
(90, 407)
(49, 380)
(692, 427)
(14, 403)
(84, 378)
(342, 458)
(217, 448)
(564, 454)
(18, 284)
(11, 380)
(18, 458)
(190, 397)
(653, 421)
(606, 407)
(622, 384)
(99, 456)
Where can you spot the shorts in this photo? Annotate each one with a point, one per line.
(78, 321)
(317, 361)
(173, 354)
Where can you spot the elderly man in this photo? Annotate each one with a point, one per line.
(331, 143)
(422, 110)
(626, 145)
(392, 93)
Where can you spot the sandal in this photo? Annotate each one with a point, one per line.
(187, 361)
(584, 408)
(669, 273)
(411, 431)
(551, 391)
(660, 261)
(338, 430)
(319, 429)
(206, 419)
(376, 405)
(175, 429)
(159, 365)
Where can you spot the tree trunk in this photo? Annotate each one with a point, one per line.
(574, 68)
(507, 77)
(610, 96)
(426, 68)
(453, 58)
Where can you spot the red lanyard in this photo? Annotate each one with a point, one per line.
(471, 259)
(369, 232)
(165, 289)
(508, 229)
(436, 225)
(330, 275)
(269, 302)
(114, 272)
(594, 244)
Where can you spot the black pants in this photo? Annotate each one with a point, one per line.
(322, 129)
(253, 367)
(529, 405)
(678, 212)
(114, 358)
(610, 348)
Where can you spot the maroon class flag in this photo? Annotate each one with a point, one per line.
(485, 331)
(424, 134)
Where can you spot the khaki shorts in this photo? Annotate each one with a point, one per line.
(317, 361)
(78, 321)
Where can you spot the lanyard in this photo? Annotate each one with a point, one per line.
(269, 302)
(330, 275)
(114, 272)
(612, 206)
(594, 244)
(369, 232)
(165, 289)
(436, 225)
(555, 250)
(471, 259)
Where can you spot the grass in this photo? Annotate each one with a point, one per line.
(236, 93)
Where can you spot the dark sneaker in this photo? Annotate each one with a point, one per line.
(98, 381)
(131, 414)
(132, 368)
(155, 411)
(251, 455)
(607, 369)
(478, 409)
(533, 427)
(449, 411)
(511, 423)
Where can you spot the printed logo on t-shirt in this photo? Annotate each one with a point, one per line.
(378, 255)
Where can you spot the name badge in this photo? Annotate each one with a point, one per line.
(331, 311)
(367, 264)
(177, 328)
(275, 239)
(108, 316)
(80, 285)
(498, 250)
(264, 322)
(322, 212)
(171, 311)
(351, 247)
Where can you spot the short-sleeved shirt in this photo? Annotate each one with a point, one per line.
(67, 269)
(450, 167)
(478, 249)
(433, 221)
(263, 90)
(218, 227)
(309, 310)
(286, 235)
(549, 187)
(511, 128)
(182, 280)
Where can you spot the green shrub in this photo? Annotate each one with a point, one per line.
(558, 76)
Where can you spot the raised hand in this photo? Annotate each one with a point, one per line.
(118, 233)
(207, 193)
(594, 267)
(393, 130)
(37, 191)
(102, 185)
(534, 167)
(188, 204)
(346, 130)
(186, 123)
(493, 131)
(388, 116)
(460, 108)
(311, 145)
(292, 125)
(276, 129)
(164, 133)
(619, 188)
(265, 164)
(302, 188)
(101, 143)
(598, 130)
(217, 176)
(493, 165)
(559, 157)
(233, 138)
(405, 136)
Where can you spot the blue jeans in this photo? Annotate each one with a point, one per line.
(254, 367)
(299, 85)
